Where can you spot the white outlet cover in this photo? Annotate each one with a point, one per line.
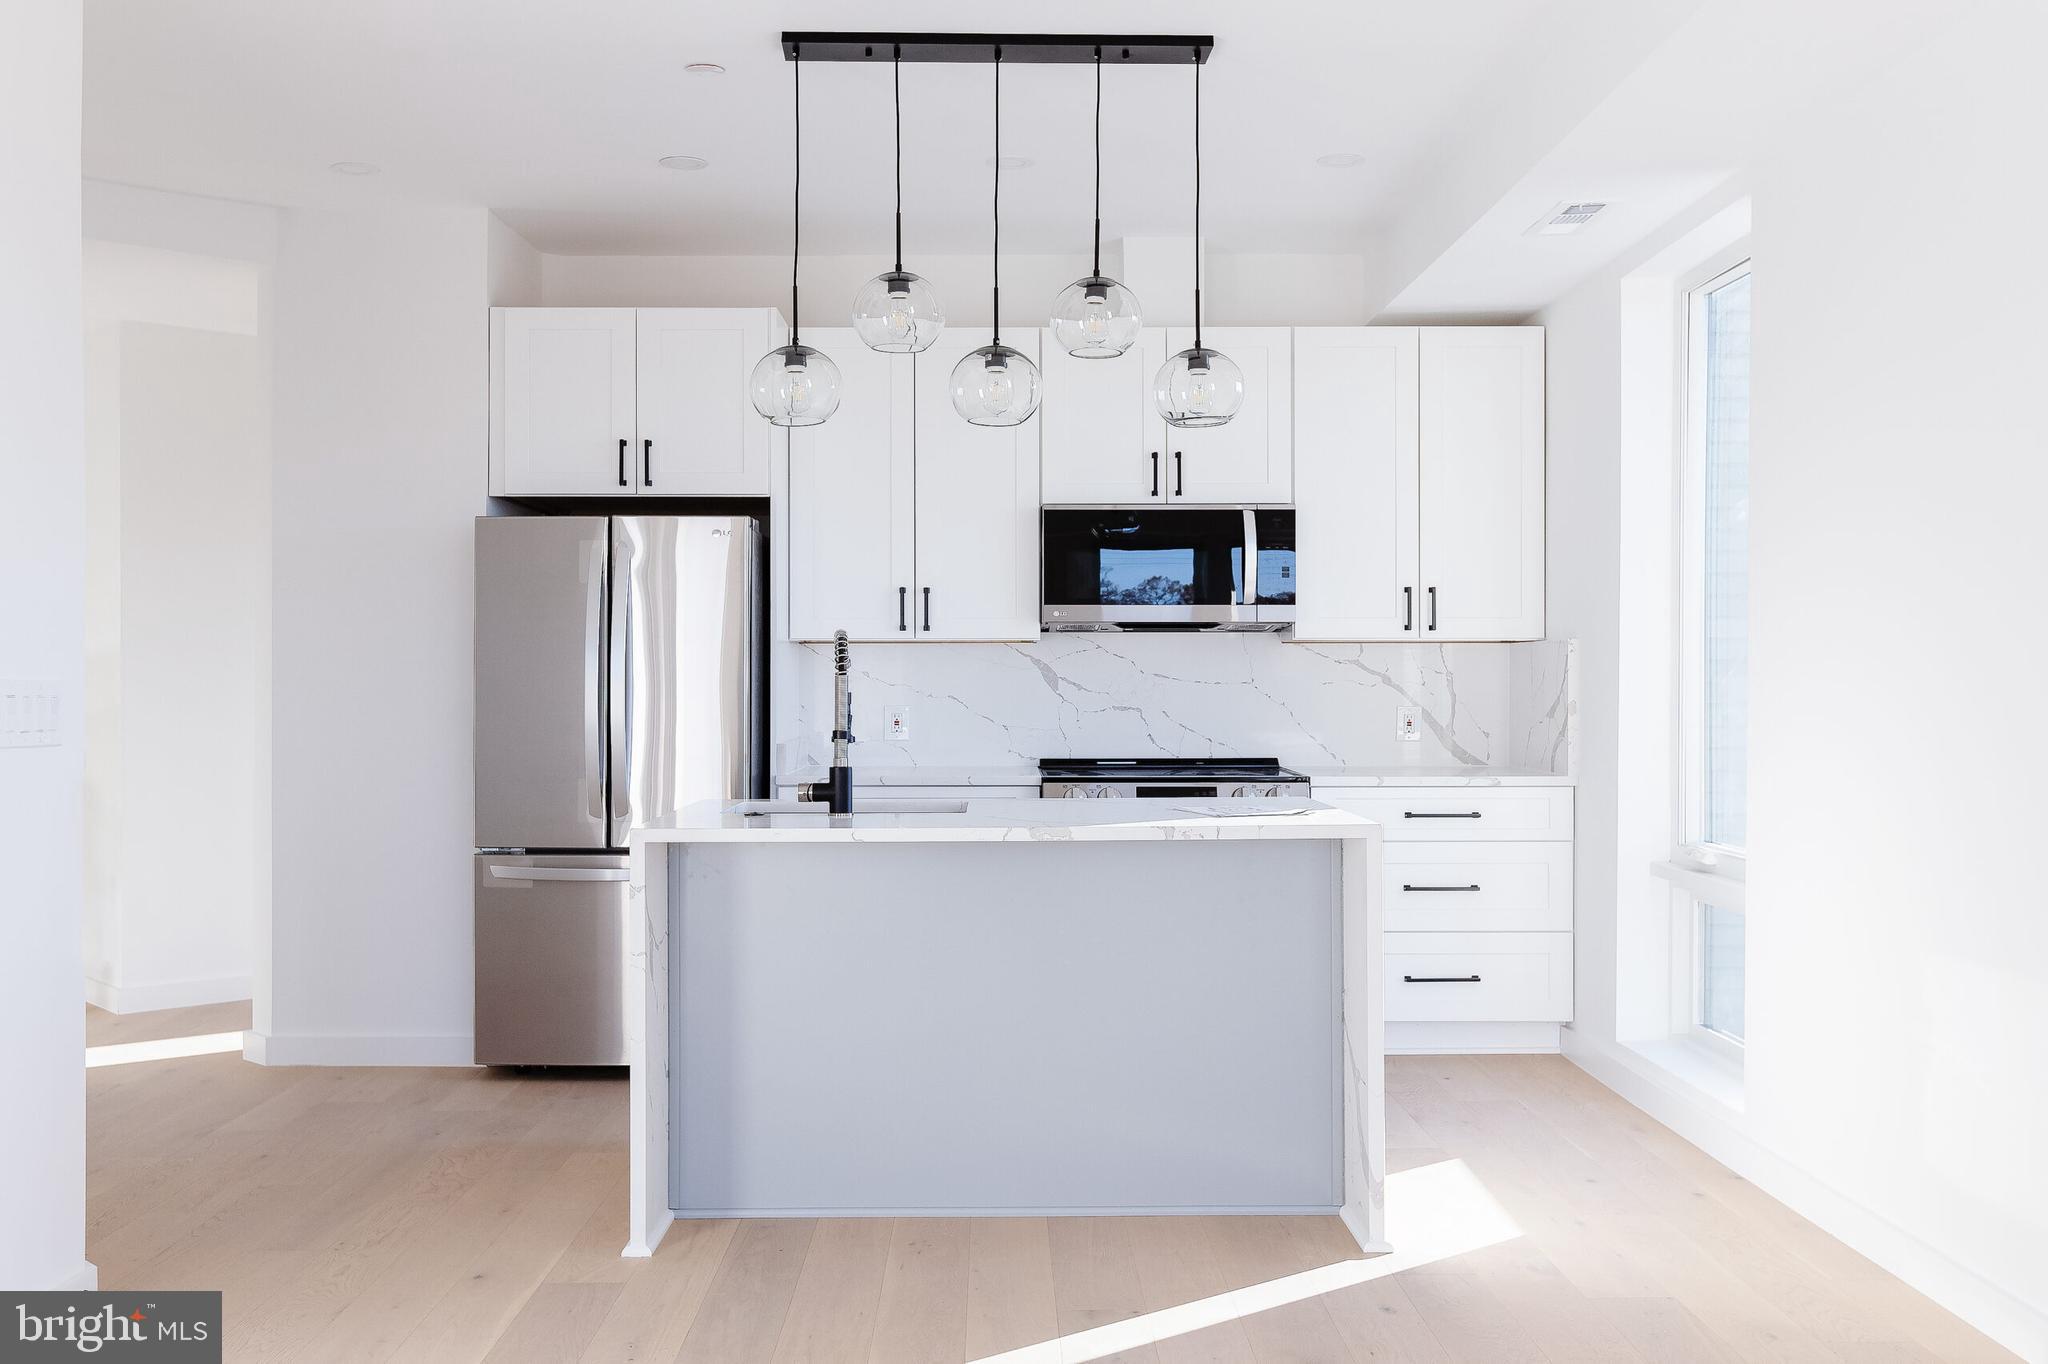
(896, 719)
(1406, 725)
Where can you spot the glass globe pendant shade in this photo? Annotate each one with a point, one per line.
(898, 312)
(1199, 387)
(1095, 318)
(995, 386)
(795, 386)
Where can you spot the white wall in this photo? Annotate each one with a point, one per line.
(42, 567)
(1240, 289)
(379, 434)
(178, 623)
(1898, 948)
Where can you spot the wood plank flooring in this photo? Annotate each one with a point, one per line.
(356, 1216)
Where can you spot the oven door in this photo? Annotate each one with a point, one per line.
(1168, 568)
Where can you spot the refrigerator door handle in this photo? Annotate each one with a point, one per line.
(620, 689)
(500, 872)
(597, 684)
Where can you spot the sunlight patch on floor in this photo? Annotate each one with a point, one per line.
(162, 1049)
(1433, 1213)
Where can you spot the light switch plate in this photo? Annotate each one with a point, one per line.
(1406, 726)
(29, 715)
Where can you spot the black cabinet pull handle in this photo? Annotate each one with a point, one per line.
(902, 608)
(647, 464)
(1432, 608)
(1155, 473)
(1177, 489)
(1439, 814)
(927, 608)
(1440, 888)
(1407, 608)
(1441, 980)
(624, 482)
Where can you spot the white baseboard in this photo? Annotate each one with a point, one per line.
(636, 1250)
(1470, 1039)
(84, 1279)
(168, 994)
(1715, 1129)
(326, 1049)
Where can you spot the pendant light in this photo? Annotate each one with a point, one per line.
(1198, 387)
(995, 385)
(1096, 318)
(795, 385)
(897, 311)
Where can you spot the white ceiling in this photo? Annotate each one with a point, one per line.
(554, 114)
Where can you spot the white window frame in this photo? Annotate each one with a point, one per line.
(1700, 873)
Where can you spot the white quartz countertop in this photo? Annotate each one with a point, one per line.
(1432, 776)
(910, 776)
(999, 821)
(905, 774)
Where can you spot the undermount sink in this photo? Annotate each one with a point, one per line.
(860, 807)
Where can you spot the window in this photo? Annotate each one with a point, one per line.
(1711, 806)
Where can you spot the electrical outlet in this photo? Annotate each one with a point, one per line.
(896, 719)
(1405, 723)
(28, 714)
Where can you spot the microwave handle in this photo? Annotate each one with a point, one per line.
(1250, 595)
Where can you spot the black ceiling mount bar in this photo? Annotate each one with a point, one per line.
(1027, 49)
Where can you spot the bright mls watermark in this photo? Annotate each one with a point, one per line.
(171, 1328)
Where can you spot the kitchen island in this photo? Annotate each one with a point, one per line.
(1022, 1006)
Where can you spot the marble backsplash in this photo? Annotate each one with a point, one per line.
(1240, 695)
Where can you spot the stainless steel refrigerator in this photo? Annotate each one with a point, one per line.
(619, 675)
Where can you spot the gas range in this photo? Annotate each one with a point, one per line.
(1200, 778)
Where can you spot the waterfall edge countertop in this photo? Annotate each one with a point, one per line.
(889, 1023)
(996, 821)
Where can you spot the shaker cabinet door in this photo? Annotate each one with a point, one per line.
(1100, 434)
(1249, 458)
(977, 511)
(1355, 482)
(1482, 483)
(699, 435)
(852, 509)
(562, 418)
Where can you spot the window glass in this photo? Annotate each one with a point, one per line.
(1724, 544)
(1720, 993)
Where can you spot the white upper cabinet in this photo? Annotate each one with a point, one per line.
(852, 504)
(562, 402)
(1250, 458)
(699, 433)
(1482, 483)
(977, 509)
(1101, 436)
(1355, 482)
(1419, 483)
(621, 401)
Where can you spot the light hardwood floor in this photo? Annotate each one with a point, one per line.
(448, 1215)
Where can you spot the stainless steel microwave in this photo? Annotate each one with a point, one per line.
(1167, 568)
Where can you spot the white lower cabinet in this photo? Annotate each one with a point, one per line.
(1478, 922)
(1479, 977)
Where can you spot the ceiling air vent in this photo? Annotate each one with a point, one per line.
(1564, 219)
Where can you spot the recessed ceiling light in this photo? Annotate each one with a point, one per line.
(684, 162)
(1341, 160)
(352, 168)
(1010, 162)
(705, 69)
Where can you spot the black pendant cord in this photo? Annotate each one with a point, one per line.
(1095, 272)
(995, 264)
(896, 65)
(1198, 198)
(796, 210)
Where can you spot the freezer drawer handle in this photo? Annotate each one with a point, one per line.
(1441, 980)
(504, 873)
(1439, 814)
(1443, 888)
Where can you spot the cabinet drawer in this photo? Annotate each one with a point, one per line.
(1485, 887)
(1479, 977)
(1457, 814)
